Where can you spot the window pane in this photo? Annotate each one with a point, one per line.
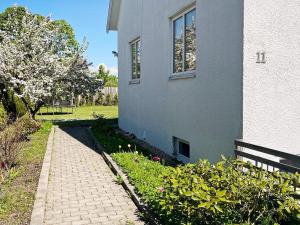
(190, 41)
(133, 62)
(138, 56)
(184, 149)
(178, 45)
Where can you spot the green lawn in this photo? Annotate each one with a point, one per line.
(80, 113)
(18, 190)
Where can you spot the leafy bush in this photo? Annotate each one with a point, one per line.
(202, 193)
(100, 99)
(11, 136)
(225, 193)
(27, 126)
(9, 146)
(3, 117)
(115, 100)
(108, 100)
(142, 172)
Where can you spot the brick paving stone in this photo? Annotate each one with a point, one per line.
(82, 189)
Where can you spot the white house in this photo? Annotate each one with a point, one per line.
(190, 83)
(271, 92)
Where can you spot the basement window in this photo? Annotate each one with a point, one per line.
(184, 149)
(181, 149)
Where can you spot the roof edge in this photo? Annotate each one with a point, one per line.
(113, 15)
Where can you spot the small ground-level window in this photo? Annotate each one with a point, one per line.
(182, 149)
(135, 59)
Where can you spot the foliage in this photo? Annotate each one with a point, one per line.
(9, 146)
(110, 139)
(18, 189)
(108, 79)
(108, 100)
(142, 172)
(65, 28)
(38, 62)
(225, 193)
(3, 117)
(12, 103)
(228, 192)
(11, 136)
(19, 12)
(100, 100)
(115, 99)
(12, 29)
(27, 126)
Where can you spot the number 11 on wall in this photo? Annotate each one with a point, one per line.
(261, 57)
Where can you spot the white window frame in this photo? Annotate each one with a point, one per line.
(134, 80)
(189, 73)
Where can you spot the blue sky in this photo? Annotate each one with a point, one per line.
(88, 19)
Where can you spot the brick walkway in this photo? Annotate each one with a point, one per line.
(82, 189)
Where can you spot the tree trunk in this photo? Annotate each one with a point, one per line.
(37, 107)
(32, 111)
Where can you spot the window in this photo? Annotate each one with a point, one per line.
(181, 149)
(184, 149)
(184, 42)
(135, 59)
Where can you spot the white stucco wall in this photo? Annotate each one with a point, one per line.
(206, 110)
(272, 90)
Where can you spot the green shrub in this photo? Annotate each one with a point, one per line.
(3, 117)
(20, 107)
(27, 126)
(225, 193)
(116, 99)
(10, 145)
(100, 99)
(108, 100)
(11, 136)
(143, 173)
(202, 193)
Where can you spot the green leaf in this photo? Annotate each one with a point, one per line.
(218, 208)
(221, 193)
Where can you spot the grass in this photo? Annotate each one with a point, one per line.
(143, 172)
(80, 113)
(134, 160)
(18, 191)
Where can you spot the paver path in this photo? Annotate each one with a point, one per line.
(82, 189)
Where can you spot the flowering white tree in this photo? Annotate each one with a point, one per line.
(38, 63)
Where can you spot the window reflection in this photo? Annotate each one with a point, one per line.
(190, 41)
(184, 42)
(178, 45)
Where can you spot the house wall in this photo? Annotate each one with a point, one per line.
(206, 110)
(272, 90)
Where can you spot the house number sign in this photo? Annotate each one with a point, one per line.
(261, 57)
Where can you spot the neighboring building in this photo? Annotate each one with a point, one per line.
(182, 87)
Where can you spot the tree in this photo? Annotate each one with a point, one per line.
(108, 79)
(41, 63)
(16, 29)
(112, 81)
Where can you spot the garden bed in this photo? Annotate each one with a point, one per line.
(19, 187)
(202, 193)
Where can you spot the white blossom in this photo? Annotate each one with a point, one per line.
(38, 63)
